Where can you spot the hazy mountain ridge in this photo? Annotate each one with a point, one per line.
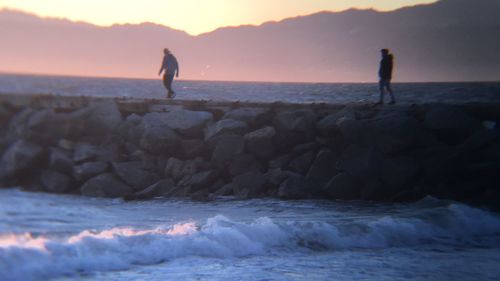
(448, 40)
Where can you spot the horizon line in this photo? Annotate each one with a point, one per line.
(6, 73)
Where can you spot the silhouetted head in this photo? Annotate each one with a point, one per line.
(166, 51)
(385, 52)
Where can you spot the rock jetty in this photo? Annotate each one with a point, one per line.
(144, 149)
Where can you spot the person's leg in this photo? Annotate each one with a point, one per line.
(381, 86)
(389, 89)
(167, 81)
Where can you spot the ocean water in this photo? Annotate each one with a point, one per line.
(63, 237)
(406, 93)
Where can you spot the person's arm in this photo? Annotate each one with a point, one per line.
(177, 72)
(162, 67)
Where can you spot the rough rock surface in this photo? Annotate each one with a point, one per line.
(105, 185)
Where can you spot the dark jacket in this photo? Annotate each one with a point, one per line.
(386, 64)
(169, 64)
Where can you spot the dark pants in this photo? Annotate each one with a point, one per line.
(385, 84)
(167, 81)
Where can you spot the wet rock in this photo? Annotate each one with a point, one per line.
(19, 157)
(55, 182)
(295, 187)
(178, 169)
(105, 185)
(134, 174)
(188, 123)
(199, 180)
(260, 143)
(89, 170)
(225, 126)
(60, 160)
(225, 190)
(161, 188)
(344, 187)
(302, 163)
(226, 150)
(249, 185)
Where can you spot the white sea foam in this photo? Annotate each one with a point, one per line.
(30, 257)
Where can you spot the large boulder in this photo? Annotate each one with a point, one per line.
(294, 127)
(450, 120)
(131, 128)
(227, 149)
(302, 163)
(260, 143)
(389, 133)
(46, 126)
(89, 170)
(328, 125)
(134, 174)
(360, 161)
(105, 185)
(98, 119)
(225, 126)
(19, 157)
(398, 172)
(249, 185)
(344, 187)
(252, 116)
(157, 136)
(242, 164)
(188, 123)
(178, 169)
(323, 167)
(194, 148)
(295, 187)
(84, 152)
(198, 181)
(55, 182)
(60, 160)
(393, 133)
(161, 188)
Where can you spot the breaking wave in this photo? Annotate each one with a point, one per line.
(29, 256)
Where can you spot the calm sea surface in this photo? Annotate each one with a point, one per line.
(406, 93)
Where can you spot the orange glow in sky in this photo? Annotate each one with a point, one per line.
(192, 16)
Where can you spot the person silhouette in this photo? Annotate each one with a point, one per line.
(385, 75)
(171, 68)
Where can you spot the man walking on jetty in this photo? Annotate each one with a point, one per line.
(385, 75)
(171, 68)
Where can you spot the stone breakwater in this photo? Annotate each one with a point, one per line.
(144, 149)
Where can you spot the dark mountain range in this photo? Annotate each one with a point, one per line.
(451, 40)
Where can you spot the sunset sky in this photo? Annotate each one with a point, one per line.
(192, 16)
